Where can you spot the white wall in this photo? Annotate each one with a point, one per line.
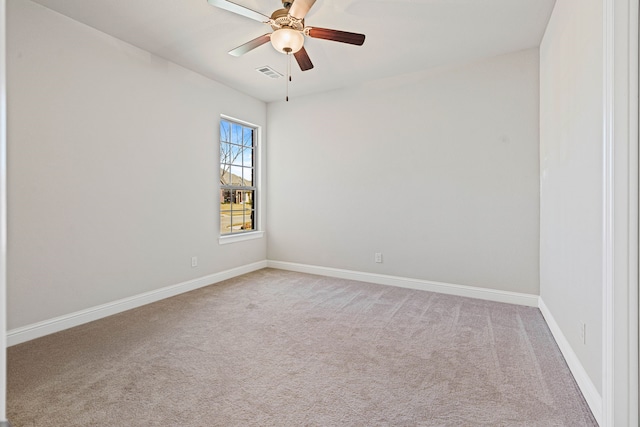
(571, 247)
(112, 176)
(436, 170)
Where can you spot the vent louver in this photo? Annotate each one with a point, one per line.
(269, 72)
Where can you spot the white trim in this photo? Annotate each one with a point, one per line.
(634, 218)
(239, 121)
(3, 214)
(240, 237)
(589, 390)
(405, 282)
(620, 214)
(40, 329)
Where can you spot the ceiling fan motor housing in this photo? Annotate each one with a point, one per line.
(281, 18)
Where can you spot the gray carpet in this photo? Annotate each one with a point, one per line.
(276, 348)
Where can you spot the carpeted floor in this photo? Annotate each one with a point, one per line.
(277, 348)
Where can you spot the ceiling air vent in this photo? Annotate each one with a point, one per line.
(269, 72)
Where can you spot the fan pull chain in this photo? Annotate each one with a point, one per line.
(288, 50)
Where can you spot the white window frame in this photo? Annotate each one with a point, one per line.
(257, 173)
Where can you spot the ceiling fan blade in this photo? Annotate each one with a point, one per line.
(299, 8)
(250, 45)
(303, 59)
(335, 35)
(240, 10)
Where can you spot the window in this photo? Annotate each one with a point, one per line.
(237, 178)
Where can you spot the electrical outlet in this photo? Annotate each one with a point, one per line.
(582, 330)
(378, 257)
(194, 261)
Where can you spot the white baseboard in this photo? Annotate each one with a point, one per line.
(589, 390)
(57, 324)
(404, 282)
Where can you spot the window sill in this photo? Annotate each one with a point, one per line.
(223, 240)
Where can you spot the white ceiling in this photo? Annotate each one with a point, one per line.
(403, 36)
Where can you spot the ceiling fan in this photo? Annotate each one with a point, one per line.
(288, 30)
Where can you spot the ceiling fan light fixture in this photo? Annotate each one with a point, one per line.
(287, 40)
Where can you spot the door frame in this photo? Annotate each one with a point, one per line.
(620, 213)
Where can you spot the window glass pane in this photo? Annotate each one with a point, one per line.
(223, 153)
(230, 154)
(229, 228)
(235, 177)
(225, 176)
(247, 176)
(225, 131)
(247, 157)
(248, 199)
(236, 133)
(248, 223)
(247, 139)
(235, 154)
(225, 200)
